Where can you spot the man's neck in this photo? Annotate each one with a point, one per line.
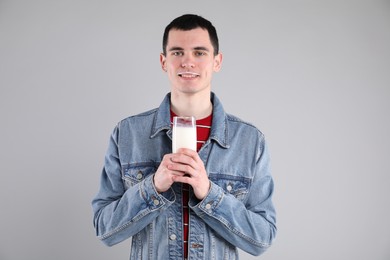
(197, 105)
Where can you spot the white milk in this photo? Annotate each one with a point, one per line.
(183, 137)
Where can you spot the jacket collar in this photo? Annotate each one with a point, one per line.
(219, 128)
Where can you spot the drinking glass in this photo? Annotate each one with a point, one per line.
(183, 133)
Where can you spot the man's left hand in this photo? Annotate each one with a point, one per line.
(189, 162)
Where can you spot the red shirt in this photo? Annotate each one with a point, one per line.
(203, 127)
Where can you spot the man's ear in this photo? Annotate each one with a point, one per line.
(217, 62)
(162, 62)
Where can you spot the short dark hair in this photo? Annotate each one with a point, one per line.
(188, 22)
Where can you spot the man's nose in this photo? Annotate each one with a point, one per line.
(187, 61)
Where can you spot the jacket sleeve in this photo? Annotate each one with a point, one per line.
(249, 225)
(118, 213)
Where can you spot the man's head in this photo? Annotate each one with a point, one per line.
(190, 55)
(188, 22)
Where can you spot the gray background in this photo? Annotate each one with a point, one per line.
(312, 75)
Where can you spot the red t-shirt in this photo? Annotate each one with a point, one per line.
(203, 127)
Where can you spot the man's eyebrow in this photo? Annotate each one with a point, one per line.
(176, 49)
(200, 48)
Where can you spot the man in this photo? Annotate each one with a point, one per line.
(191, 204)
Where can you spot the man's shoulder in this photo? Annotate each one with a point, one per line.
(140, 116)
(238, 120)
(238, 123)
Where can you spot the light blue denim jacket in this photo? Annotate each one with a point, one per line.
(237, 212)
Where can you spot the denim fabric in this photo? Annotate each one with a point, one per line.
(237, 212)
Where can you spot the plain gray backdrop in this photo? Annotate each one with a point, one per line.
(314, 76)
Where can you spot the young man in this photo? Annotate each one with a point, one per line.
(191, 204)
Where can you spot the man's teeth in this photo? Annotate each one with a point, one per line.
(188, 75)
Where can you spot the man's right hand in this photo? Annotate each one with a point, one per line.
(163, 178)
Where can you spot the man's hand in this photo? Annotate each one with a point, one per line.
(187, 167)
(164, 177)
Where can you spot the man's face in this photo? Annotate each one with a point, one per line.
(190, 61)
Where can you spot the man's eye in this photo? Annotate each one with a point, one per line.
(177, 53)
(200, 53)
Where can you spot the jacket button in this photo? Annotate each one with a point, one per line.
(156, 202)
(172, 237)
(229, 187)
(208, 206)
(139, 175)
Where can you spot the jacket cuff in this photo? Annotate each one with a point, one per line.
(152, 198)
(209, 204)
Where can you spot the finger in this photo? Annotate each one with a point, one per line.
(190, 153)
(176, 173)
(184, 159)
(183, 179)
(182, 168)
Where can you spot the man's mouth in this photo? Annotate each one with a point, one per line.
(188, 74)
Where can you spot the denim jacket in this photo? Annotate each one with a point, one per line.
(237, 212)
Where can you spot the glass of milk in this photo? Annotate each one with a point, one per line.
(183, 133)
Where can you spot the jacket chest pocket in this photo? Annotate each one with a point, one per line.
(237, 186)
(135, 173)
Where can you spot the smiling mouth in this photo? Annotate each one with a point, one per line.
(188, 75)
